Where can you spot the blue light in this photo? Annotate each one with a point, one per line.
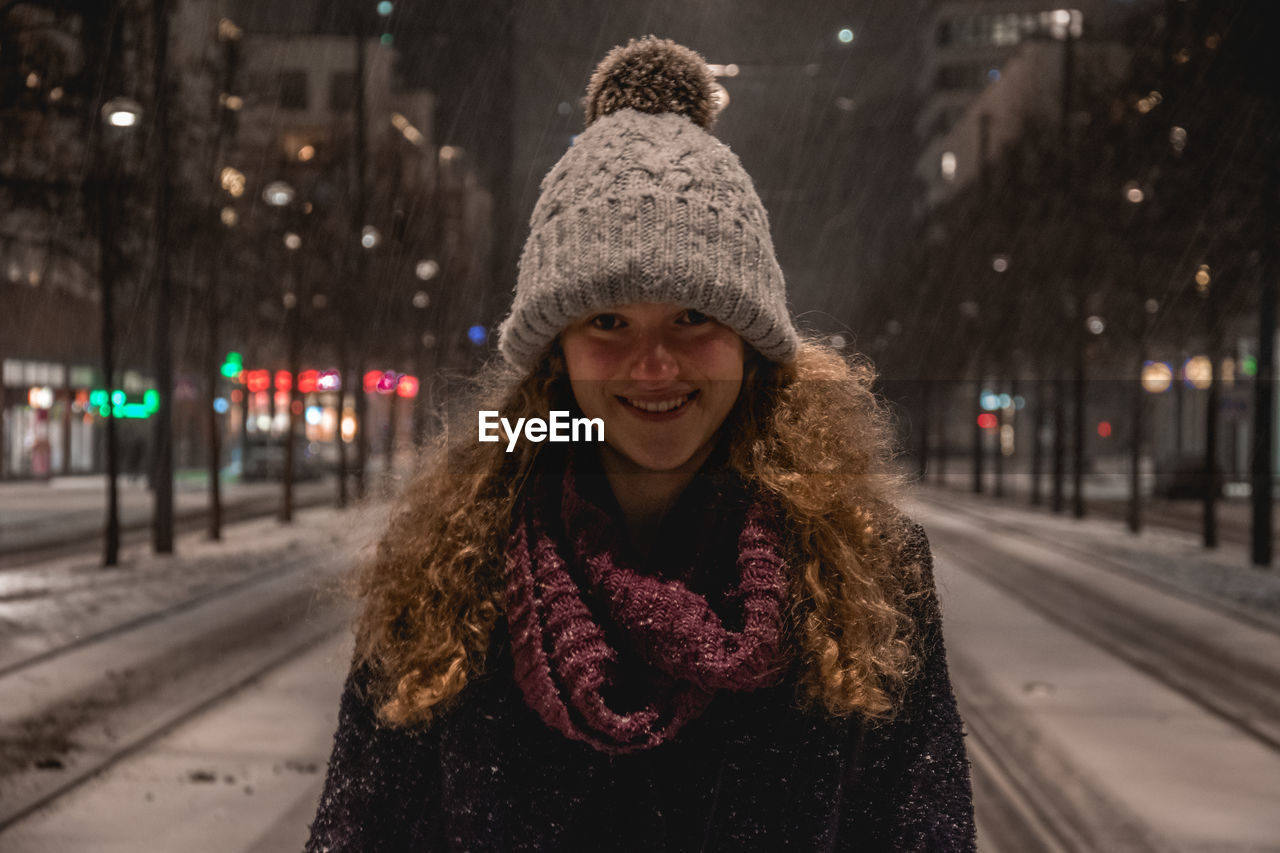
(314, 415)
(478, 335)
(845, 35)
(1019, 403)
(989, 400)
(220, 405)
(994, 75)
(384, 8)
(1005, 401)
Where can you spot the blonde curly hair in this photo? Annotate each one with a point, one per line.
(811, 434)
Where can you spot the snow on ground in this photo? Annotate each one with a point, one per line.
(1173, 558)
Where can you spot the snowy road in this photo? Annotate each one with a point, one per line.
(1105, 712)
(1120, 695)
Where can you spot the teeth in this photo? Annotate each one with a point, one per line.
(659, 406)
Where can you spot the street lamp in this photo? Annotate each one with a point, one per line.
(122, 112)
(278, 194)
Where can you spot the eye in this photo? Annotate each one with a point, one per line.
(693, 318)
(606, 322)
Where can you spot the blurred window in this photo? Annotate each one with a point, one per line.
(293, 89)
(342, 91)
(961, 75)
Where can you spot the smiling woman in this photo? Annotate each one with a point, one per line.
(713, 630)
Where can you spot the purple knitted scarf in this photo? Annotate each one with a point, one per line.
(622, 659)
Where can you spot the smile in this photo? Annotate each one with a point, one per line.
(660, 406)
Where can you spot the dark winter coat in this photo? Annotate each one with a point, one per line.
(753, 773)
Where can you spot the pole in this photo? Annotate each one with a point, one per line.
(1037, 446)
(295, 400)
(361, 215)
(1210, 522)
(212, 375)
(977, 430)
(108, 186)
(1138, 394)
(162, 517)
(107, 274)
(344, 377)
(1078, 431)
(1263, 528)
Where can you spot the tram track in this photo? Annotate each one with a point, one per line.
(1234, 683)
(11, 667)
(83, 706)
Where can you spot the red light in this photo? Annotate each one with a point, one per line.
(407, 386)
(371, 381)
(261, 401)
(283, 380)
(237, 395)
(297, 407)
(1104, 429)
(257, 380)
(986, 420)
(307, 381)
(282, 401)
(387, 383)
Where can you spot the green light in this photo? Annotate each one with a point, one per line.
(232, 365)
(384, 8)
(1249, 365)
(121, 407)
(386, 39)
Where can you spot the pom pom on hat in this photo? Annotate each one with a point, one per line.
(652, 75)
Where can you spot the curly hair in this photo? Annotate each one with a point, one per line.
(810, 434)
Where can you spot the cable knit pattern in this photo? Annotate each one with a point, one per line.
(648, 208)
(678, 650)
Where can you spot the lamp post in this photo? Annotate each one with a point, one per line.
(162, 467)
(115, 119)
(280, 195)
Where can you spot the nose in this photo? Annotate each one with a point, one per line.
(654, 361)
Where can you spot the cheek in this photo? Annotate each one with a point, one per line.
(587, 360)
(721, 358)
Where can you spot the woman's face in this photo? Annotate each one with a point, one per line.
(661, 377)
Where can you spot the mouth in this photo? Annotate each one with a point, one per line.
(663, 408)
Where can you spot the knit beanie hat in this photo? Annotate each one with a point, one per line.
(647, 206)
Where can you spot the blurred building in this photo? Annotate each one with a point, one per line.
(1028, 91)
(267, 98)
(51, 80)
(968, 46)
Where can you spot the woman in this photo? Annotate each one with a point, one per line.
(713, 630)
